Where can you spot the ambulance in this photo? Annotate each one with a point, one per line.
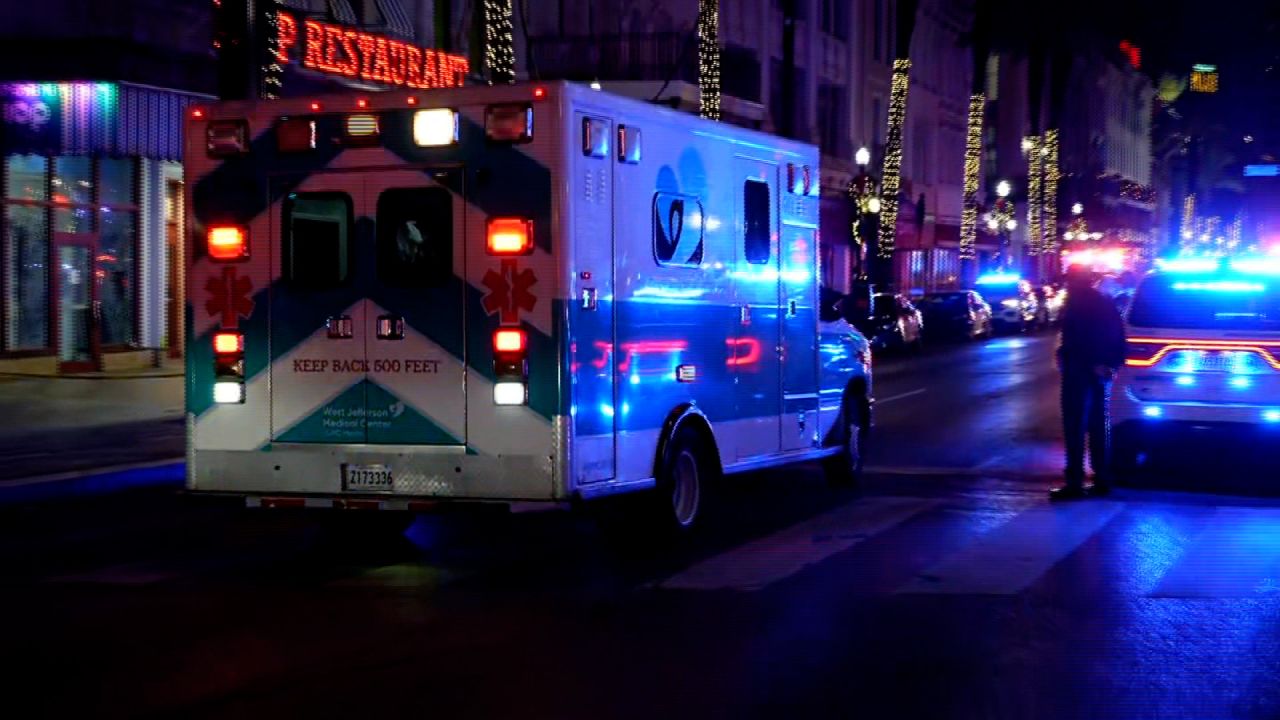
(537, 293)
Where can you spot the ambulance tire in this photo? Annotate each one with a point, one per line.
(844, 469)
(682, 482)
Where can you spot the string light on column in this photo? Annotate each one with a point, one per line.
(1051, 177)
(1188, 218)
(709, 59)
(1035, 178)
(272, 69)
(972, 165)
(891, 179)
(500, 44)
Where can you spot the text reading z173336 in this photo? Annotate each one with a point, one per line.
(366, 478)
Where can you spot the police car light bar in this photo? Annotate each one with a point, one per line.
(1256, 265)
(1188, 264)
(1222, 286)
(999, 279)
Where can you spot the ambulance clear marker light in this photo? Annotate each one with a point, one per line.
(228, 393)
(435, 127)
(509, 393)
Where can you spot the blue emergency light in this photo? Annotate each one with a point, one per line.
(999, 279)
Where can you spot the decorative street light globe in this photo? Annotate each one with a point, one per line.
(862, 157)
(873, 205)
(1011, 225)
(1003, 188)
(992, 224)
(1077, 209)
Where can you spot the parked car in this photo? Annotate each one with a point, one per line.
(894, 323)
(1013, 304)
(957, 314)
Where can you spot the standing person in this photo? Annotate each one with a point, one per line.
(1090, 353)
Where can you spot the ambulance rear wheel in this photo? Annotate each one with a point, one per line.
(844, 469)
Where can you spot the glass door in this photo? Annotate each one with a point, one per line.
(75, 299)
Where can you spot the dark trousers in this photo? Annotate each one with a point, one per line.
(1086, 400)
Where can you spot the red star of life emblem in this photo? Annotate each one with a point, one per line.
(509, 291)
(229, 297)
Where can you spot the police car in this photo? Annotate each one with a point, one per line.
(1203, 351)
(1013, 303)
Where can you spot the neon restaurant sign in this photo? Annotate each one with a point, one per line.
(340, 50)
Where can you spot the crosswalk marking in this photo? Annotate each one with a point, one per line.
(1011, 557)
(1238, 555)
(767, 560)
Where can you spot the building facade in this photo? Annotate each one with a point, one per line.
(90, 223)
(93, 97)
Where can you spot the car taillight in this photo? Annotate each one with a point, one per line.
(510, 236)
(1141, 353)
(510, 366)
(228, 368)
(228, 242)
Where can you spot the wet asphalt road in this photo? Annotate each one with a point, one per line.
(946, 587)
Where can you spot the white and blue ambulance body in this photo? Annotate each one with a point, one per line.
(519, 293)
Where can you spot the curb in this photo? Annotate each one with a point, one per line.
(97, 481)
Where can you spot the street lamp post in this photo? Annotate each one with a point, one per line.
(864, 198)
(1001, 219)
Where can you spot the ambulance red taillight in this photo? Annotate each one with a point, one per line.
(510, 366)
(228, 368)
(228, 242)
(510, 236)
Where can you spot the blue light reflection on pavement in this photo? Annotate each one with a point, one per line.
(172, 475)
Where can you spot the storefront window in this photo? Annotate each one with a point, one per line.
(72, 180)
(26, 253)
(115, 276)
(25, 178)
(73, 220)
(115, 181)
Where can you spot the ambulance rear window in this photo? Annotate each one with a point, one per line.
(317, 239)
(415, 237)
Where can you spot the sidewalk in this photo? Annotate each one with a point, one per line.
(63, 428)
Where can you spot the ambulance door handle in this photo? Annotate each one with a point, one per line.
(791, 308)
(745, 315)
(590, 298)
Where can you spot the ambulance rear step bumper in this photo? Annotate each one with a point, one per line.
(312, 502)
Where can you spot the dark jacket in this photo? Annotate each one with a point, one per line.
(1092, 332)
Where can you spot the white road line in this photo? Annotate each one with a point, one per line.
(1008, 559)
(785, 553)
(902, 396)
(1238, 556)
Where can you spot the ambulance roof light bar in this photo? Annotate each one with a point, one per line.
(228, 242)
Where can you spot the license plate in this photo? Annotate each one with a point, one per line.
(366, 478)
